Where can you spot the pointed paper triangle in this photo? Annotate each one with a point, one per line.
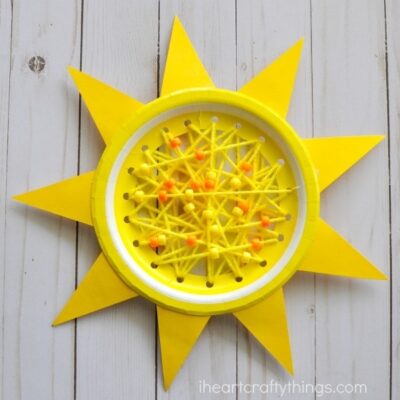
(109, 108)
(331, 254)
(69, 198)
(274, 85)
(100, 288)
(178, 334)
(267, 321)
(183, 68)
(333, 156)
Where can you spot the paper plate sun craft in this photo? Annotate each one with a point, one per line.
(205, 201)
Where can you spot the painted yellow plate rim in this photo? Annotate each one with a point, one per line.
(184, 98)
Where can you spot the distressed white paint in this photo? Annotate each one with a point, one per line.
(340, 331)
(38, 361)
(5, 59)
(393, 41)
(349, 86)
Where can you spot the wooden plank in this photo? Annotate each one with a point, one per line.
(393, 43)
(211, 27)
(116, 347)
(39, 248)
(353, 326)
(5, 59)
(265, 30)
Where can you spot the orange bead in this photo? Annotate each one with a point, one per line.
(209, 184)
(245, 166)
(195, 185)
(169, 184)
(244, 205)
(256, 245)
(200, 156)
(163, 196)
(265, 222)
(154, 242)
(175, 142)
(191, 241)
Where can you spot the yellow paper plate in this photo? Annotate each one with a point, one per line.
(206, 202)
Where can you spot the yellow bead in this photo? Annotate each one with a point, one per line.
(144, 169)
(214, 253)
(235, 183)
(237, 212)
(215, 230)
(211, 175)
(208, 214)
(189, 194)
(162, 239)
(138, 196)
(189, 207)
(246, 257)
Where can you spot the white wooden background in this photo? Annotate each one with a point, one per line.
(349, 82)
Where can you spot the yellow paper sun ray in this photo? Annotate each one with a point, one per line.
(331, 254)
(267, 321)
(108, 107)
(69, 198)
(178, 334)
(183, 68)
(333, 156)
(99, 289)
(274, 85)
